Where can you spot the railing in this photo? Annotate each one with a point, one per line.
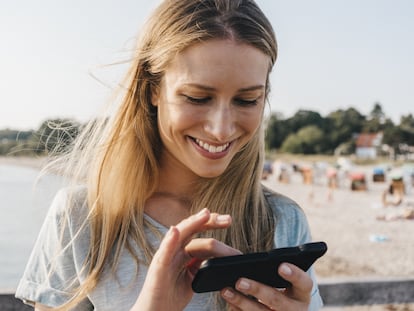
(9, 303)
(348, 292)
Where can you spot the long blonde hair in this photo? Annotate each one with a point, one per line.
(117, 157)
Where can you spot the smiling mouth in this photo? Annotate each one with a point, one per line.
(211, 148)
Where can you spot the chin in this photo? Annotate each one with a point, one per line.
(210, 174)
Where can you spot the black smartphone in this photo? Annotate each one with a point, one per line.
(220, 272)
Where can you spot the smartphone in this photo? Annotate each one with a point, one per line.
(220, 272)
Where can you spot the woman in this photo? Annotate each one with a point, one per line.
(184, 151)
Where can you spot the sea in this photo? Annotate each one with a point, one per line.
(24, 201)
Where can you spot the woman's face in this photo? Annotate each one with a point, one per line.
(210, 104)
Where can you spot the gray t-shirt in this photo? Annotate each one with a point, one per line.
(55, 264)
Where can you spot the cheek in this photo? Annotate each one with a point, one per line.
(172, 118)
(252, 121)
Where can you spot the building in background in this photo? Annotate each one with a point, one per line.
(368, 145)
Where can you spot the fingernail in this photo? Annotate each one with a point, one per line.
(222, 219)
(201, 213)
(170, 231)
(228, 294)
(285, 269)
(243, 284)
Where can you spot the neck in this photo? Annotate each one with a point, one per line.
(182, 199)
(176, 180)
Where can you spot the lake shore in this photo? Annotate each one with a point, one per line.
(33, 162)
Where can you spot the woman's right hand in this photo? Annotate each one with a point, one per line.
(294, 298)
(168, 282)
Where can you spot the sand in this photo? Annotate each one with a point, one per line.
(360, 246)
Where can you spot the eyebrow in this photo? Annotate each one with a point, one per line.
(210, 89)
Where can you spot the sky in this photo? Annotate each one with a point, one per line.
(57, 57)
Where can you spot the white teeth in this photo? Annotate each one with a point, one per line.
(210, 148)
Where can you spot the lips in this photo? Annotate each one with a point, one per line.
(211, 148)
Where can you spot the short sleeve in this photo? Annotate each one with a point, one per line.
(51, 271)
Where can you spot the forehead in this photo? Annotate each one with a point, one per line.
(219, 62)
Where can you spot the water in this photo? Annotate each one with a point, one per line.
(23, 206)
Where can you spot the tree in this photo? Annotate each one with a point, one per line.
(9, 134)
(276, 132)
(308, 140)
(407, 129)
(303, 118)
(342, 125)
(15, 142)
(376, 120)
(377, 112)
(292, 144)
(55, 136)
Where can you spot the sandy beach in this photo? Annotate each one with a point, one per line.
(361, 244)
(365, 239)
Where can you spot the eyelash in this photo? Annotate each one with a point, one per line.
(204, 100)
(247, 102)
(197, 101)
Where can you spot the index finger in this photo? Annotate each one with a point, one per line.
(200, 222)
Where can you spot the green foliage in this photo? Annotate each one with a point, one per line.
(56, 136)
(342, 125)
(13, 142)
(309, 133)
(304, 118)
(53, 136)
(308, 140)
(407, 129)
(276, 132)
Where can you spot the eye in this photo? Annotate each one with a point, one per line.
(197, 100)
(246, 102)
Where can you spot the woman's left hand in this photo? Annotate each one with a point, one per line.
(168, 282)
(294, 298)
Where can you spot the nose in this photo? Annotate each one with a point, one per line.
(221, 122)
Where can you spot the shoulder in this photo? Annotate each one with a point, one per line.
(69, 205)
(69, 219)
(291, 223)
(283, 207)
(75, 194)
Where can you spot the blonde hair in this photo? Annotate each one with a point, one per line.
(117, 157)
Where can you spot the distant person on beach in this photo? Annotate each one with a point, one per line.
(332, 179)
(394, 194)
(173, 176)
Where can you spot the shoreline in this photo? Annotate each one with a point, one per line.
(33, 162)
